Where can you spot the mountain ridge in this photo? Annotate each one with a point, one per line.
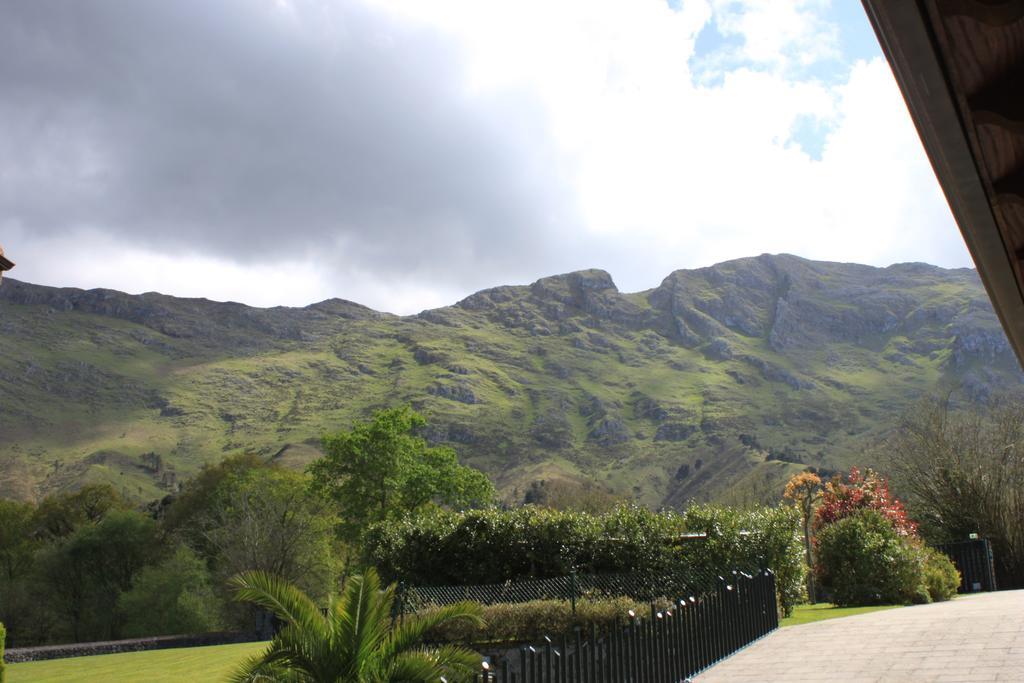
(717, 382)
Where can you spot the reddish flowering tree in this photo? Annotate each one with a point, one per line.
(861, 491)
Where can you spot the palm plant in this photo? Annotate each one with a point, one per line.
(355, 641)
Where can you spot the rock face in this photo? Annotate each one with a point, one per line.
(717, 378)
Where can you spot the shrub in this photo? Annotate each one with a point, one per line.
(941, 577)
(864, 560)
(492, 546)
(531, 621)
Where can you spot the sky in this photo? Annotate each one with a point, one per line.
(406, 153)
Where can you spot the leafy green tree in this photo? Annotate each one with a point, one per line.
(16, 542)
(565, 494)
(173, 597)
(381, 469)
(60, 515)
(18, 546)
(267, 519)
(355, 641)
(178, 514)
(84, 574)
(804, 490)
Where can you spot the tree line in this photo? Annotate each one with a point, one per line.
(88, 565)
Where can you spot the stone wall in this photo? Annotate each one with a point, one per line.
(33, 654)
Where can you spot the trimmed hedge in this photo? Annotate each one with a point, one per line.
(492, 546)
(531, 621)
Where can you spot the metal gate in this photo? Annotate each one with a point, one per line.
(974, 560)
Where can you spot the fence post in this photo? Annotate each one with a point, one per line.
(773, 617)
(572, 589)
(400, 606)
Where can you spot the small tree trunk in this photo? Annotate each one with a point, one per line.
(812, 593)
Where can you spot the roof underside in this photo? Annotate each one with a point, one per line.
(960, 66)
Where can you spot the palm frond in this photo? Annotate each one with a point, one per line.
(426, 666)
(356, 642)
(361, 617)
(279, 596)
(257, 669)
(411, 631)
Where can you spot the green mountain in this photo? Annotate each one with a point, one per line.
(718, 383)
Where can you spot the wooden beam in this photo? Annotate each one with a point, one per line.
(1010, 190)
(1002, 103)
(989, 12)
(906, 35)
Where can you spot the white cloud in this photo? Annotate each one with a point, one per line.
(781, 35)
(602, 102)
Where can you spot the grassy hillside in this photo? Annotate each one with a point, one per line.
(718, 383)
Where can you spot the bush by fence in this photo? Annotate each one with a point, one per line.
(530, 609)
(517, 622)
(489, 546)
(672, 644)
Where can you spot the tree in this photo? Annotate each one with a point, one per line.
(804, 489)
(18, 546)
(355, 641)
(963, 473)
(867, 491)
(381, 469)
(565, 494)
(85, 573)
(178, 513)
(60, 515)
(267, 519)
(172, 597)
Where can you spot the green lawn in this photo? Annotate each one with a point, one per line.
(212, 663)
(805, 614)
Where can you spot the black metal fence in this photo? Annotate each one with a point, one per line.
(572, 588)
(667, 646)
(974, 560)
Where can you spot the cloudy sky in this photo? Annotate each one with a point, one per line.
(405, 153)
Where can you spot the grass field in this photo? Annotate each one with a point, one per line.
(212, 663)
(805, 614)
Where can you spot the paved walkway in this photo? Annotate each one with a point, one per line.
(973, 638)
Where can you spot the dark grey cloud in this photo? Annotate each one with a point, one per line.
(238, 129)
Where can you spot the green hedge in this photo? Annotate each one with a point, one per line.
(531, 621)
(492, 546)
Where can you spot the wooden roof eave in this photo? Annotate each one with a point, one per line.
(906, 39)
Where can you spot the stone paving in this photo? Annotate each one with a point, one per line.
(973, 638)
